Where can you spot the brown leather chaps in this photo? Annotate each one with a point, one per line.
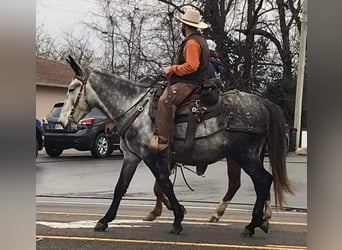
(180, 92)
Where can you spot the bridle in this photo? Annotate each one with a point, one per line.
(139, 108)
(83, 88)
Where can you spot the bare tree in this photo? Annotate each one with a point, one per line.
(135, 36)
(45, 44)
(283, 26)
(120, 26)
(78, 46)
(131, 41)
(103, 25)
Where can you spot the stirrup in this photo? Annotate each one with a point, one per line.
(155, 146)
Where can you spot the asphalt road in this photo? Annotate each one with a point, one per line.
(75, 190)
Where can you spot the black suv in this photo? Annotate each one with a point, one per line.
(89, 135)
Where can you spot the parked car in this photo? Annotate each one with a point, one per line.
(89, 135)
(39, 136)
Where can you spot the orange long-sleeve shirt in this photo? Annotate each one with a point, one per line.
(191, 53)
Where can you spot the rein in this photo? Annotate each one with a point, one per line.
(133, 106)
(181, 166)
(138, 111)
(130, 120)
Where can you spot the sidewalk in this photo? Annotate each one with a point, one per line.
(66, 152)
(291, 157)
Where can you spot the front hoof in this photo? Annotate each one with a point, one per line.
(176, 229)
(100, 226)
(150, 217)
(213, 219)
(265, 226)
(248, 232)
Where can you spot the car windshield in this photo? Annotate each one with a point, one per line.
(55, 111)
(96, 112)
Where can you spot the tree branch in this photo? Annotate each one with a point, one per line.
(295, 13)
(172, 4)
(267, 35)
(229, 5)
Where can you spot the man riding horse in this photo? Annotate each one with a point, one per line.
(238, 132)
(186, 75)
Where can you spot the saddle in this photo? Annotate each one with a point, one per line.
(202, 104)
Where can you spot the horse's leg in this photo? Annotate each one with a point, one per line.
(234, 175)
(262, 181)
(129, 166)
(267, 205)
(157, 211)
(158, 167)
(268, 208)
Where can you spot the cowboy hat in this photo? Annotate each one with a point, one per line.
(192, 18)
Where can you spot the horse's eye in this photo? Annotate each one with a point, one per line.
(70, 90)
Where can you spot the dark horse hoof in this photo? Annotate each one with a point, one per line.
(100, 226)
(176, 229)
(248, 232)
(213, 219)
(265, 226)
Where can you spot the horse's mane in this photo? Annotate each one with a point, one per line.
(144, 82)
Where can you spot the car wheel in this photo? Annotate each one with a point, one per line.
(52, 151)
(101, 146)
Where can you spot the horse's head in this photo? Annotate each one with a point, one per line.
(80, 98)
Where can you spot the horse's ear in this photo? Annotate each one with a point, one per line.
(73, 64)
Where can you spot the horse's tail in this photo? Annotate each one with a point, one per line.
(276, 138)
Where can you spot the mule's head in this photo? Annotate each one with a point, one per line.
(80, 98)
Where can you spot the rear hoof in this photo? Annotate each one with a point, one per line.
(248, 232)
(213, 219)
(265, 226)
(100, 227)
(150, 217)
(176, 229)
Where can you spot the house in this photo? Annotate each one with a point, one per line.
(52, 80)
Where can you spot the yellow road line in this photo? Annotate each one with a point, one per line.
(173, 243)
(168, 217)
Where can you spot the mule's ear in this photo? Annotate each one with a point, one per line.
(77, 69)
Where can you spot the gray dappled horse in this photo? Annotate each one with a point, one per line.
(238, 134)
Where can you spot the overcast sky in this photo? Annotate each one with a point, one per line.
(62, 15)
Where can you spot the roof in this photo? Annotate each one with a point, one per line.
(49, 72)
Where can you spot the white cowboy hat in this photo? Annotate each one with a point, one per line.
(211, 44)
(192, 18)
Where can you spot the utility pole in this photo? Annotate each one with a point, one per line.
(300, 73)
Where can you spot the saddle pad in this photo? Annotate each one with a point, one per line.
(204, 129)
(243, 112)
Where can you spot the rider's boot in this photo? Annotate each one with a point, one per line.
(157, 144)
